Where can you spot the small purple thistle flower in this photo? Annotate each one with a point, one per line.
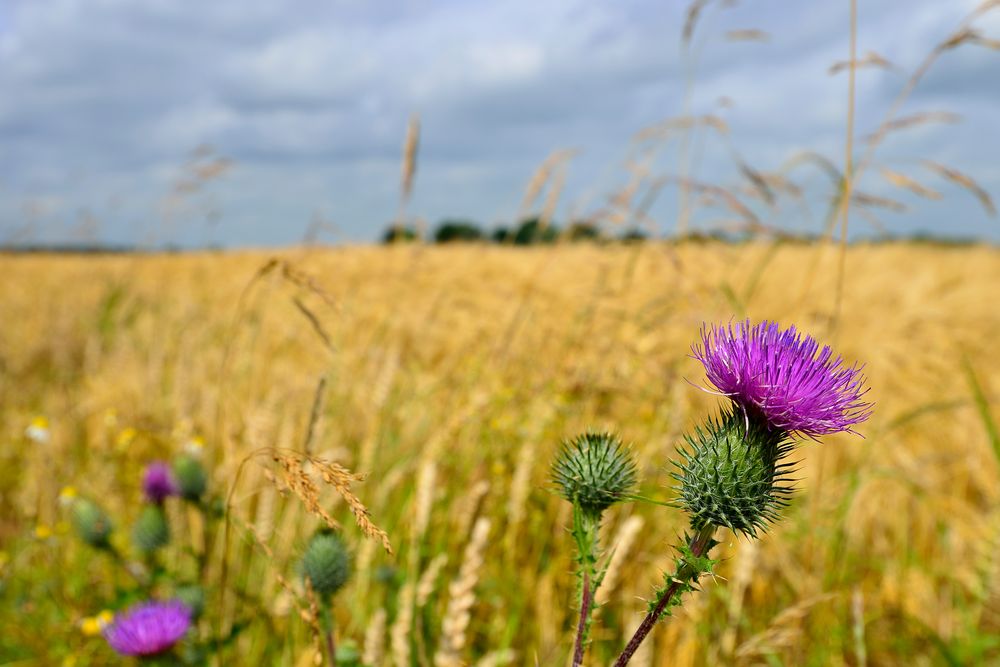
(783, 376)
(148, 628)
(158, 482)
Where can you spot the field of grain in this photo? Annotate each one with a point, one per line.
(449, 376)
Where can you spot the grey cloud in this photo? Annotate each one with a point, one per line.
(102, 101)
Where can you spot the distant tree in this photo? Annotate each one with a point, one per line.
(633, 235)
(582, 230)
(450, 231)
(501, 235)
(531, 231)
(400, 234)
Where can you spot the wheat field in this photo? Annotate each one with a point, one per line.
(448, 376)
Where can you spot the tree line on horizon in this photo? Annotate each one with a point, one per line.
(530, 231)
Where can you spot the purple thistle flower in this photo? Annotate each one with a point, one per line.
(158, 482)
(783, 376)
(148, 628)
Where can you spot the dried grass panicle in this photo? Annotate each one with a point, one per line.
(461, 598)
(622, 548)
(296, 478)
(402, 626)
(424, 499)
(469, 505)
(783, 630)
(374, 647)
(428, 580)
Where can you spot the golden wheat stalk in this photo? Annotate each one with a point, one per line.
(461, 598)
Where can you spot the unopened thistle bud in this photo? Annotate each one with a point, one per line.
(151, 530)
(326, 563)
(190, 476)
(91, 523)
(732, 473)
(593, 471)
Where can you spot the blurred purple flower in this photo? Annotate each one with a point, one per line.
(783, 376)
(158, 482)
(148, 628)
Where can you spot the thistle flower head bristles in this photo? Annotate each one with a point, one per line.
(151, 530)
(732, 474)
(158, 482)
(149, 628)
(326, 563)
(191, 478)
(784, 376)
(593, 471)
(91, 523)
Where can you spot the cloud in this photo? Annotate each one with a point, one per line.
(102, 102)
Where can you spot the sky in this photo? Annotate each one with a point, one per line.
(251, 122)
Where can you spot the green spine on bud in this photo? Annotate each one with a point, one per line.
(193, 597)
(593, 471)
(151, 530)
(326, 563)
(91, 523)
(732, 475)
(192, 479)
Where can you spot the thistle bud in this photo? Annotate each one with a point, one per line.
(326, 563)
(91, 523)
(190, 476)
(731, 473)
(193, 597)
(151, 530)
(593, 471)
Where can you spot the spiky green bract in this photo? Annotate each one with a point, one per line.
(688, 568)
(732, 473)
(593, 471)
(192, 479)
(326, 563)
(151, 530)
(91, 523)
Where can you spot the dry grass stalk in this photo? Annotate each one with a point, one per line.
(410, 146)
(747, 35)
(461, 598)
(621, 554)
(907, 183)
(402, 626)
(428, 580)
(870, 59)
(738, 584)
(520, 489)
(295, 478)
(783, 630)
(374, 647)
(966, 182)
(541, 176)
(424, 500)
(468, 507)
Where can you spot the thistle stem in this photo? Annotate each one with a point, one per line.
(700, 543)
(585, 530)
(581, 627)
(326, 614)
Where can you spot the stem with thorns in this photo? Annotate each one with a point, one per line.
(585, 532)
(690, 566)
